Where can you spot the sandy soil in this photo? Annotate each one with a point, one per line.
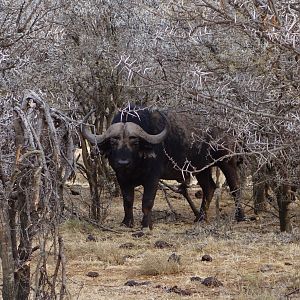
(250, 260)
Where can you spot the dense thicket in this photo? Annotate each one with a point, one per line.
(236, 62)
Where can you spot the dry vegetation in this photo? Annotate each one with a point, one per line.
(252, 260)
(234, 62)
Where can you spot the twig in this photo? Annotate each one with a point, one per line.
(63, 268)
(167, 199)
(295, 291)
(94, 223)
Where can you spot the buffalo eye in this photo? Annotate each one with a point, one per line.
(134, 140)
(114, 140)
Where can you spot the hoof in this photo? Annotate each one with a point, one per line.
(200, 218)
(145, 227)
(127, 223)
(147, 230)
(147, 222)
(241, 218)
(240, 215)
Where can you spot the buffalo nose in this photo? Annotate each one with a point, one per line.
(123, 162)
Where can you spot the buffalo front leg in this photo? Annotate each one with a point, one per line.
(148, 202)
(128, 199)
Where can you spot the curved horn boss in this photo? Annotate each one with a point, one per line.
(134, 129)
(130, 128)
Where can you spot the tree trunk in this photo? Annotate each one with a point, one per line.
(91, 170)
(8, 290)
(95, 193)
(22, 275)
(283, 200)
(259, 196)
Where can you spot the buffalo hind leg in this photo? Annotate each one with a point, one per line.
(229, 169)
(208, 188)
(128, 199)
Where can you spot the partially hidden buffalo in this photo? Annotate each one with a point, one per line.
(144, 146)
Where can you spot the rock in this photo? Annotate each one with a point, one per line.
(162, 244)
(180, 291)
(91, 238)
(74, 192)
(174, 258)
(127, 246)
(138, 234)
(212, 282)
(92, 274)
(125, 257)
(287, 263)
(196, 278)
(254, 218)
(206, 257)
(199, 194)
(266, 268)
(136, 283)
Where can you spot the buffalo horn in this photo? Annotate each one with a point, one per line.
(134, 129)
(113, 129)
(116, 128)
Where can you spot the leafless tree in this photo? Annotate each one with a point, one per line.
(36, 159)
(234, 62)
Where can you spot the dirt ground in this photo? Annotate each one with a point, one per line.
(248, 260)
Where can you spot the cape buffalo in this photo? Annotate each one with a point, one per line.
(144, 146)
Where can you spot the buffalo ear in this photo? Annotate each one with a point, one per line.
(147, 154)
(158, 121)
(146, 150)
(104, 147)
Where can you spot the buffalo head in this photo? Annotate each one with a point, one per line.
(124, 143)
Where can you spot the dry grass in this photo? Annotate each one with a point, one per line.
(80, 248)
(106, 252)
(160, 264)
(253, 260)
